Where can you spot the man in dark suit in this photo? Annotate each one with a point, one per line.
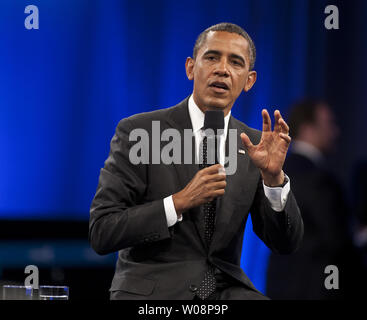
(324, 211)
(153, 213)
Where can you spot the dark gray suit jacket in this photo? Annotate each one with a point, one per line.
(160, 262)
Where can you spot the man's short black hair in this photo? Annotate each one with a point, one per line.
(303, 112)
(227, 27)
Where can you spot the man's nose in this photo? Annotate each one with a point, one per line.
(221, 69)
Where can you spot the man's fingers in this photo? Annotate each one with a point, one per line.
(214, 189)
(284, 126)
(213, 173)
(281, 127)
(214, 169)
(215, 177)
(277, 125)
(266, 120)
(214, 194)
(286, 137)
(280, 124)
(218, 193)
(246, 141)
(217, 185)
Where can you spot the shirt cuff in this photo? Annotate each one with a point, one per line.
(170, 211)
(277, 196)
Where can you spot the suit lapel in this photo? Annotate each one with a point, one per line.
(239, 193)
(179, 119)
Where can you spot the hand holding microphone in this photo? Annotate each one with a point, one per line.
(210, 182)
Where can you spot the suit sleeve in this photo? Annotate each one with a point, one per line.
(119, 216)
(281, 231)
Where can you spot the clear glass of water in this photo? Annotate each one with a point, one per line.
(14, 292)
(53, 293)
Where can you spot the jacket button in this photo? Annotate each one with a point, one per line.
(193, 288)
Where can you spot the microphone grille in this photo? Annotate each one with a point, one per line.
(214, 119)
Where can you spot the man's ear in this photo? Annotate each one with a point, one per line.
(189, 65)
(251, 79)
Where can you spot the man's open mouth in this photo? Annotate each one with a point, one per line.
(219, 85)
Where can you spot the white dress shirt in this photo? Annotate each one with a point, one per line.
(307, 150)
(277, 196)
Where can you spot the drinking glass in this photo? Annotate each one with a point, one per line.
(53, 293)
(14, 292)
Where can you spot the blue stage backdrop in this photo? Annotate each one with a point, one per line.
(65, 86)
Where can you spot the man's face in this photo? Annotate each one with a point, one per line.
(326, 128)
(220, 71)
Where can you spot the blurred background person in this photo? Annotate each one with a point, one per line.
(322, 200)
(360, 205)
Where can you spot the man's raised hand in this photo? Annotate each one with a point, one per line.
(269, 155)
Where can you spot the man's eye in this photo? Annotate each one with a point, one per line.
(237, 63)
(210, 58)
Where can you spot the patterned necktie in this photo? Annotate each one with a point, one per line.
(209, 207)
(207, 287)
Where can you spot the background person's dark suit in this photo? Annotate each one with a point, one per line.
(326, 241)
(157, 262)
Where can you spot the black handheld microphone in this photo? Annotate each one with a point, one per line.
(214, 120)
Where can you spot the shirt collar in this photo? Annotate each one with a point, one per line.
(307, 150)
(197, 117)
